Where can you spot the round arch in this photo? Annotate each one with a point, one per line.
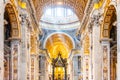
(105, 30)
(14, 22)
(59, 33)
(59, 42)
(109, 31)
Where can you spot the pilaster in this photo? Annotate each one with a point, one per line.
(42, 67)
(75, 66)
(1, 39)
(90, 29)
(105, 59)
(118, 40)
(24, 48)
(15, 58)
(34, 67)
(86, 68)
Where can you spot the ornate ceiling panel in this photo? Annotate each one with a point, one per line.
(110, 17)
(77, 5)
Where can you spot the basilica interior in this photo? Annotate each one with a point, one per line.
(59, 40)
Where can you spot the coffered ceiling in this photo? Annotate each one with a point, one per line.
(59, 43)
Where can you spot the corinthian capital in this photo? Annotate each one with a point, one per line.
(97, 19)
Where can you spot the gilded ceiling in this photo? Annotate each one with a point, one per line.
(10, 9)
(110, 17)
(59, 43)
(77, 5)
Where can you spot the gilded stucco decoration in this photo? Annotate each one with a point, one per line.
(32, 68)
(77, 5)
(22, 4)
(98, 4)
(86, 45)
(12, 12)
(105, 32)
(33, 44)
(87, 65)
(15, 61)
(105, 63)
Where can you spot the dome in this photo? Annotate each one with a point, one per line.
(59, 18)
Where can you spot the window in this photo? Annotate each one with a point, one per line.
(48, 12)
(69, 12)
(59, 12)
(59, 16)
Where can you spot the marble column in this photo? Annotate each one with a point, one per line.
(37, 67)
(105, 59)
(75, 67)
(118, 40)
(65, 72)
(96, 47)
(91, 47)
(82, 63)
(53, 69)
(7, 66)
(1, 40)
(15, 58)
(70, 69)
(24, 49)
(43, 68)
(28, 54)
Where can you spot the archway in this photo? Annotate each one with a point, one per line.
(109, 31)
(13, 21)
(59, 42)
(59, 46)
(11, 31)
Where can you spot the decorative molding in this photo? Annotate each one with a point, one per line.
(105, 63)
(87, 45)
(105, 39)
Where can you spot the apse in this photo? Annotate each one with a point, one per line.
(59, 43)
